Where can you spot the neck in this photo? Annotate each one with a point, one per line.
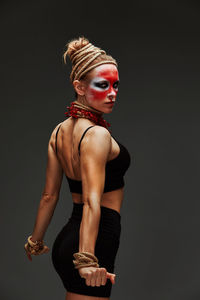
(82, 102)
(79, 110)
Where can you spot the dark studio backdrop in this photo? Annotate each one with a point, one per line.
(156, 44)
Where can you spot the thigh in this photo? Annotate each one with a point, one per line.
(106, 249)
(108, 240)
(74, 296)
(63, 248)
(67, 243)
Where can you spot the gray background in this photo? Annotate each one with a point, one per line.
(156, 44)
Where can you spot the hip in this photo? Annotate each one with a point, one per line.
(110, 219)
(107, 243)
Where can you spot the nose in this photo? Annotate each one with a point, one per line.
(112, 95)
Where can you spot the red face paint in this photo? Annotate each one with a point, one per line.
(104, 83)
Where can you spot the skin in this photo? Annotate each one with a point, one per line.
(97, 148)
(99, 88)
(103, 86)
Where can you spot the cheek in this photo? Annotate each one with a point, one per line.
(97, 95)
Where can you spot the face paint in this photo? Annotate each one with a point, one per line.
(105, 83)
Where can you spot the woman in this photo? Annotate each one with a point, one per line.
(94, 164)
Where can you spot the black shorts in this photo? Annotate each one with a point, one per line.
(67, 243)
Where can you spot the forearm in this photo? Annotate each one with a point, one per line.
(44, 215)
(89, 228)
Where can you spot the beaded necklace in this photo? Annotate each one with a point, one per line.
(79, 110)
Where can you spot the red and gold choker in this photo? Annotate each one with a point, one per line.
(78, 110)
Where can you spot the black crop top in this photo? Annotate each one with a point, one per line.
(114, 171)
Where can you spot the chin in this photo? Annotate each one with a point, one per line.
(108, 110)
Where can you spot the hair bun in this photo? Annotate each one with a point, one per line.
(84, 57)
(73, 46)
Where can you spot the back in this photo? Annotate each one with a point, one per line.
(115, 168)
(68, 142)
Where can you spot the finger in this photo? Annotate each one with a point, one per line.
(29, 257)
(113, 279)
(103, 276)
(93, 278)
(111, 276)
(98, 277)
(27, 253)
(88, 278)
(47, 249)
(44, 250)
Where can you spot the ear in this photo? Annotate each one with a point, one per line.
(79, 87)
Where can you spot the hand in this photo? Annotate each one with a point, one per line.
(29, 253)
(96, 276)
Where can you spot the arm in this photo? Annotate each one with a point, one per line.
(50, 194)
(94, 152)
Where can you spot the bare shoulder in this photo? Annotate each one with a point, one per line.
(57, 126)
(53, 134)
(98, 131)
(97, 142)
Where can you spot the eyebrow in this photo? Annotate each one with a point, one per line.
(105, 80)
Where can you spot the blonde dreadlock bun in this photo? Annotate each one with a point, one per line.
(84, 57)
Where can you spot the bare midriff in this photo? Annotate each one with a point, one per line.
(111, 199)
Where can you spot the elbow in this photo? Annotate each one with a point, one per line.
(92, 207)
(49, 199)
(91, 213)
(92, 201)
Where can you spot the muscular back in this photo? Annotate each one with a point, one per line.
(68, 160)
(68, 138)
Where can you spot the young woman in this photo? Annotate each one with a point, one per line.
(94, 163)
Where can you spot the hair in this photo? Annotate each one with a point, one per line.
(84, 57)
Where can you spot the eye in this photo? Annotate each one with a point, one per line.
(116, 85)
(102, 85)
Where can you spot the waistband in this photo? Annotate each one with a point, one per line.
(105, 211)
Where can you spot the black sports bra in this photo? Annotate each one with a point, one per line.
(115, 169)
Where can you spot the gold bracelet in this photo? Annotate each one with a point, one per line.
(79, 265)
(84, 259)
(35, 245)
(34, 248)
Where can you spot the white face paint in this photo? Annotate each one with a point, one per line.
(99, 84)
(103, 84)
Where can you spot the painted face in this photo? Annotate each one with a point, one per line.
(104, 83)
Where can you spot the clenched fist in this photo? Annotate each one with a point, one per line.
(32, 252)
(96, 276)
